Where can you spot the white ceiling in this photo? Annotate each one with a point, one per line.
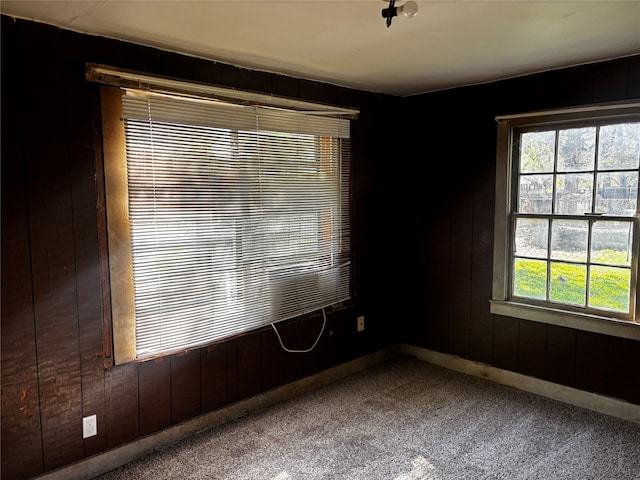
(347, 43)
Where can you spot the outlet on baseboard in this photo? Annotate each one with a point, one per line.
(361, 323)
(89, 426)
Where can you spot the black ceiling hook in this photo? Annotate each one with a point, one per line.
(390, 12)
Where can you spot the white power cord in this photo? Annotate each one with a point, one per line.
(324, 322)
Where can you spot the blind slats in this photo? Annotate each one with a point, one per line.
(238, 217)
(199, 113)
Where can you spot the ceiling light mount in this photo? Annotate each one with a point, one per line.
(409, 9)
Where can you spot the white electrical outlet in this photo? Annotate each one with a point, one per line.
(360, 323)
(89, 426)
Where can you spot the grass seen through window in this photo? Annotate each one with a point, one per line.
(609, 287)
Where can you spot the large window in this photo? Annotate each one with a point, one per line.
(567, 219)
(222, 217)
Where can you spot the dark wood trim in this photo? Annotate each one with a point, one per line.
(101, 220)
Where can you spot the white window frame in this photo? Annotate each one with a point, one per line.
(506, 181)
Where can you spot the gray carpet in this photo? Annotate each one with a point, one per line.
(405, 420)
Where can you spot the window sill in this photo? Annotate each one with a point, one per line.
(589, 323)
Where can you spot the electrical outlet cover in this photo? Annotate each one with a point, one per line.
(89, 426)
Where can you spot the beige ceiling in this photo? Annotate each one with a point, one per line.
(448, 44)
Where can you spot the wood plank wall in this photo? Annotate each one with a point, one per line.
(53, 371)
(453, 228)
(422, 276)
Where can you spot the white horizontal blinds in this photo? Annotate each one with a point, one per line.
(194, 111)
(239, 217)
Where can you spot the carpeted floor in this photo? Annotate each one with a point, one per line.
(405, 420)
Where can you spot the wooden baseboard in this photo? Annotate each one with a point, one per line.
(103, 462)
(579, 398)
(114, 458)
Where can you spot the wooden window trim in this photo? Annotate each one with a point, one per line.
(501, 303)
(117, 275)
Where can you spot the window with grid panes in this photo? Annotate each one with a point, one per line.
(566, 248)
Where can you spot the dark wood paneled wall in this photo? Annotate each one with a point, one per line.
(53, 371)
(422, 275)
(453, 228)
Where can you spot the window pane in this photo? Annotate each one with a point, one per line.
(609, 288)
(569, 205)
(574, 193)
(568, 283)
(530, 278)
(617, 193)
(537, 151)
(532, 237)
(619, 146)
(569, 240)
(611, 243)
(535, 194)
(576, 149)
